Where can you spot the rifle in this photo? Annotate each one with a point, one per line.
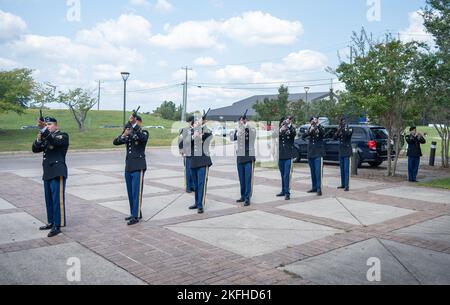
(245, 114)
(205, 115)
(134, 114)
(41, 116)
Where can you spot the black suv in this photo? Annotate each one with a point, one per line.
(371, 142)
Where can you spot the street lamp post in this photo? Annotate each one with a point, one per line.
(307, 90)
(125, 76)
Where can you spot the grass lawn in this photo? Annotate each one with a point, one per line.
(439, 183)
(12, 138)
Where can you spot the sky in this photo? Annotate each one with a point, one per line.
(236, 49)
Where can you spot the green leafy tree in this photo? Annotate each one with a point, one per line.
(433, 73)
(381, 81)
(273, 109)
(80, 102)
(168, 110)
(16, 88)
(43, 94)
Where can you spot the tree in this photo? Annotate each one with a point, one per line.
(381, 80)
(16, 89)
(43, 94)
(79, 101)
(169, 111)
(273, 109)
(433, 72)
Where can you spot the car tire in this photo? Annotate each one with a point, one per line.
(375, 164)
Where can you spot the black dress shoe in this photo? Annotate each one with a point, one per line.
(133, 221)
(288, 197)
(193, 207)
(341, 187)
(131, 217)
(312, 191)
(281, 195)
(240, 200)
(347, 189)
(319, 193)
(46, 227)
(200, 211)
(54, 232)
(247, 204)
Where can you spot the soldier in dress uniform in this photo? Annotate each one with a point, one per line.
(316, 151)
(201, 161)
(54, 145)
(287, 152)
(344, 135)
(185, 146)
(414, 140)
(135, 139)
(245, 137)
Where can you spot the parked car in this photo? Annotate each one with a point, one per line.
(371, 142)
(221, 131)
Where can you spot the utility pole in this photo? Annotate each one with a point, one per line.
(98, 98)
(185, 87)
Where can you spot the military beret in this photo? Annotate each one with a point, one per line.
(191, 119)
(139, 118)
(50, 120)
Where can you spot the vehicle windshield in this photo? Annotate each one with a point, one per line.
(380, 133)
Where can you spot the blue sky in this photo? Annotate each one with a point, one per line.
(236, 48)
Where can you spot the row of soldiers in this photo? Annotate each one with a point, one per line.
(194, 145)
(195, 151)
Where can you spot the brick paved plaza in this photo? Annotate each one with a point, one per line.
(308, 240)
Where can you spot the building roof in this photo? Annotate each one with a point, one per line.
(233, 112)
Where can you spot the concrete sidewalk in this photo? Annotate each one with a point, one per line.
(393, 230)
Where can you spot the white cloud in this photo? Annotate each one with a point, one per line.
(416, 29)
(189, 35)
(142, 3)
(238, 73)
(251, 28)
(163, 6)
(162, 63)
(8, 64)
(254, 28)
(11, 26)
(127, 30)
(205, 61)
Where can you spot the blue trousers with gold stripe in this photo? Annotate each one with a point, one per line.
(345, 171)
(286, 167)
(245, 171)
(315, 165)
(55, 200)
(188, 181)
(200, 177)
(135, 188)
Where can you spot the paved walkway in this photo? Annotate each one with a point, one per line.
(334, 239)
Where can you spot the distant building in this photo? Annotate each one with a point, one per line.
(233, 112)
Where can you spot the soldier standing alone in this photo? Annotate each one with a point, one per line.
(186, 150)
(344, 135)
(245, 137)
(54, 145)
(316, 151)
(414, 140)
(135, 140)
(201, 162)
(287, 153)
